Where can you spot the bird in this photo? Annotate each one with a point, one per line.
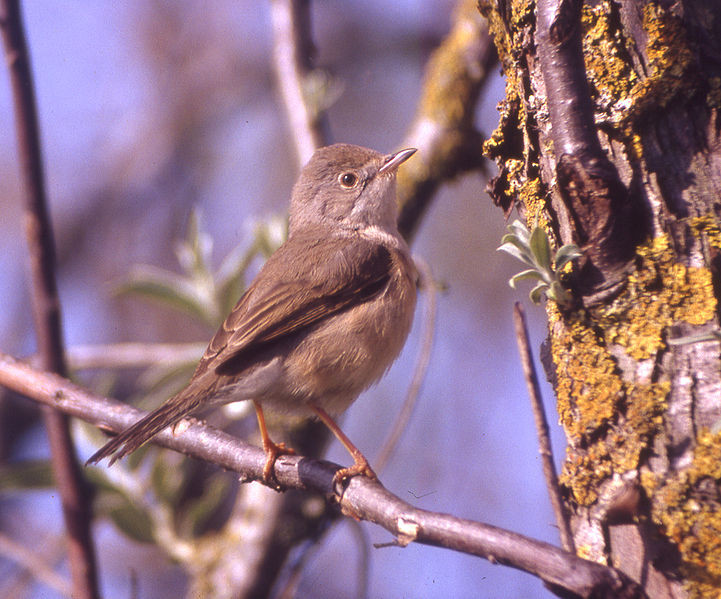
(323, 320)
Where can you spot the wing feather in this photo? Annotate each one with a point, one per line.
(291, 294)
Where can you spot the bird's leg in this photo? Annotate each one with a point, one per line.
(272, 450)
(361, 465)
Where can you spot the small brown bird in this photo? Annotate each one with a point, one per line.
(325, 317)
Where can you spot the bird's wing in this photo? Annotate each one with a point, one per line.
(292, 293)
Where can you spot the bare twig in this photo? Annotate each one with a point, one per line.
(46, 306)
(363, 498)
(443, 130)
(544, 436)
(295, 573)
(419, 375)
(132, 355)
(29, 560)
(292, 54)
(289, 590)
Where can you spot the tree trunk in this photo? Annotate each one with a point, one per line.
(609, 138)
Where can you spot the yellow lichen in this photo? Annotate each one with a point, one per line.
(619, 90)
(705, 226)
(661, 292)
(609, 71)
(690, 517)
(611, 418)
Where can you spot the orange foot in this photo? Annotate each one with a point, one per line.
(361, 466)
(272, 451)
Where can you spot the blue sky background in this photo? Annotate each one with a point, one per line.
(149, 109)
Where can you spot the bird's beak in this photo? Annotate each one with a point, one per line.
(393, 161)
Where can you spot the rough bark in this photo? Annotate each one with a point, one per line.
(642, 416)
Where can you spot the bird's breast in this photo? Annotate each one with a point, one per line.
(353, 349)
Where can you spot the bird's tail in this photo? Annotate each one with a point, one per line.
(173, 410)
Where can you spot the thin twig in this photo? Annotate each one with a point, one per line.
(289, 590)
(113, 356)
(292, 54)
(363, 498)
(544, 437)
(46, 305)
(29, 560)
(419, 375)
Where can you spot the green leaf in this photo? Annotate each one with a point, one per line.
(160, 381)
(171, 290)
(513, 250)
(520, 230)
(520, 245)
(168, 479)
(558, 294)
(194, 521)
(130, 520)
(270, 234)
(25, 475)
(531, 273)
(688, 339)
(565, 254)
(537, 293)
(195, 252)
(541, 249)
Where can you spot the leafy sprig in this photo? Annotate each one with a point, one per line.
(534, 249)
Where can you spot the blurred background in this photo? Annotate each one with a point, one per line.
(149, 110)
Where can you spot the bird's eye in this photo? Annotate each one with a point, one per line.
(348, 180)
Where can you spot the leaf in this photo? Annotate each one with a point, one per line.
(28, 474)
(231, 276)
(558, 294)
(541, 249)
(531, 273)
(194, 521)
(130, 520)
(514, 251)
(520, 245)
(169, 480)
(520, 230)
(565, 254)
(195, 251)
(537, 293)
(269, 235)
(169, 289)
(160, 381)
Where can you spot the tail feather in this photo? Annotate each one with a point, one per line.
(145, 429)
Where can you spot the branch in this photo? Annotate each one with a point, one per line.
(45, 302)
(544, 437)
(30, 561)
(362, 499)
(586, 179)
(113, 356)
(443, 129)
(292, 55)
